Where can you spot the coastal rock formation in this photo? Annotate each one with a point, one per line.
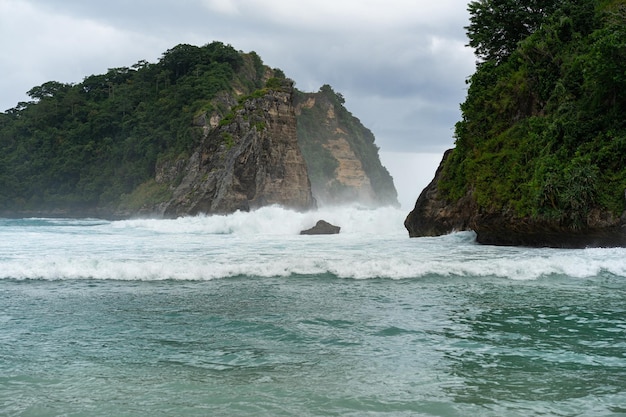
(322, 227)
(341, 156)
(204, 130)
(249, 161)
(433, 215)
(539, 157)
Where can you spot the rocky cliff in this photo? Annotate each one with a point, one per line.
(434, 215)
(341, 156)
(250, 160)
(539, 157)
(251, 157)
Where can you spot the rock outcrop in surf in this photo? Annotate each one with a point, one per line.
(322, 227)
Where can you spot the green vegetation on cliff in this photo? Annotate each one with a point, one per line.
(118, 142)
(543, 132)
(79, 146)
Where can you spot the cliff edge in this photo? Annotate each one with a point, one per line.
(342, 158)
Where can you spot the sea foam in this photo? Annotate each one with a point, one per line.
(275, 220)
(267, 243)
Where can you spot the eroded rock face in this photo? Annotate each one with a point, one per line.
(511, 231)
(250, 162)
(357, 175)
(434, 216)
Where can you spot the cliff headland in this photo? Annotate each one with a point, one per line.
(204, 130)
(540, 152)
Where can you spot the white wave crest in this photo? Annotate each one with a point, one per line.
(275, 220)
(266, 243)
(262, 266)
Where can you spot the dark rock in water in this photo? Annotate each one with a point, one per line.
(322, 228)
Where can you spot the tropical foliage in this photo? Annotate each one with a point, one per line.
(77, 146)
(543, 131)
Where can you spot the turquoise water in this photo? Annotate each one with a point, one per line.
(228, 316)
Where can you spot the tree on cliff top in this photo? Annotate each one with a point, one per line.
(497, 26)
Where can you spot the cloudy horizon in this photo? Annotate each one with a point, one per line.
(401, 65)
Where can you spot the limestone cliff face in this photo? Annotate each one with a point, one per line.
(245, 161)
(349, 172)
(433, 215)
(343, 161)
(258, 154)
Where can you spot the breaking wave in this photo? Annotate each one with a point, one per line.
(266, 243)
(275, 220)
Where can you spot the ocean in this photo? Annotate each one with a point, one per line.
(239, 315)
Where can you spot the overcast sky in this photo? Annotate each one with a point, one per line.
(400, 64)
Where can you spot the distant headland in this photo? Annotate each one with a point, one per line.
(204, 130)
